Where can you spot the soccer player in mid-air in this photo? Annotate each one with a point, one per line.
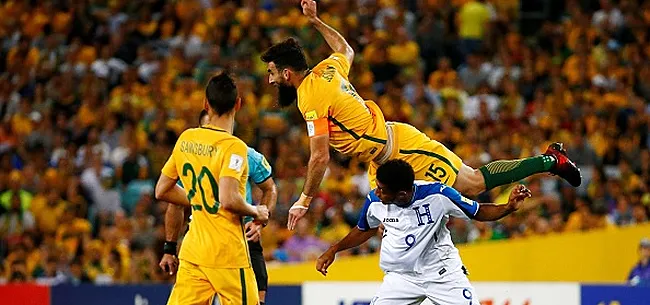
(336, 115)
(212, 165)
(259, 171)
(417, 255)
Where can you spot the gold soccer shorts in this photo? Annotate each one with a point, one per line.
(197, 285)
(430, 159)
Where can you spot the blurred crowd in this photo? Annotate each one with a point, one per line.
(93, 94)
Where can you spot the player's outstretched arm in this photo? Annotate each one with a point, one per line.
(318, 159)
(334, 39)
(492, 212)
(231, 200)
(167, 190)
(355, 238)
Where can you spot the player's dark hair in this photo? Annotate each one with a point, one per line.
(201, 115)
(221, 93)
(397, 175)
(286, 54)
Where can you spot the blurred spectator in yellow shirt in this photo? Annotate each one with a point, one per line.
(48, 208)
(72, 231)
(337, 229)
(444, 76)
(404, 52)
(473, 21)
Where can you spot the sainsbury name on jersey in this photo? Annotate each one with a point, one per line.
(197, 148)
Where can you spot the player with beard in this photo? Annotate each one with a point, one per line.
(336, 115)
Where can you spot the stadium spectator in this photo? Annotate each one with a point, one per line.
(303, 245)
(640, 274)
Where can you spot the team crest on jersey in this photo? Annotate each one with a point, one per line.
(311, 115)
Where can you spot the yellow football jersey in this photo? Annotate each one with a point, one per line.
(331, 105)
(200, 158)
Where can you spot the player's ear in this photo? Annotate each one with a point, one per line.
(402, 196)
(238, 104)
(286, 73)
(206, 105)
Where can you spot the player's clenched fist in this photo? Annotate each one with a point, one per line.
(169, 264)
(517, 196)
(262, 214)
(324, 261)
(309, 8)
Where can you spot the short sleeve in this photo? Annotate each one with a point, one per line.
(339, 61)
(235, 160)
(314, 104)
(169, 169)
(366, 220)
(458, 205)
(259, 169)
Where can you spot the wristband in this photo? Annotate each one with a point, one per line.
(305, 200)
(170, 247)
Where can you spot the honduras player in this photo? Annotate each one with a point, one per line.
(259, 174)
(417, 255)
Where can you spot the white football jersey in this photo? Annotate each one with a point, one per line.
(416, 238)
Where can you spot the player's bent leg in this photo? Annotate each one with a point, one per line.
(191, 287)
(396, 289)
(259, 268)
(455, 292)
(469, 181)
(554, 161)
(501, 172)
(430, 159)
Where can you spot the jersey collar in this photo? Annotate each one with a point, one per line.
(415, 191)
(211, 127)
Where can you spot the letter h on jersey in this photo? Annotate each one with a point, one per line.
(421, 215)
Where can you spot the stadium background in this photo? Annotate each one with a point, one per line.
(93, 94)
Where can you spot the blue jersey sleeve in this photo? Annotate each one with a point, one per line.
(259, 170)
(461, 206)
(366, 220)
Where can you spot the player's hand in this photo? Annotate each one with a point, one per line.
(517, 197)
(262, 216)
(325, 260)
(253, 231)
(296, 212)
(169, 264)
(309, 9)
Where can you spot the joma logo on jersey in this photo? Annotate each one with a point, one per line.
(391, 219)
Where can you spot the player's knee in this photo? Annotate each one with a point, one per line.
(477, 183)
(470, 181)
